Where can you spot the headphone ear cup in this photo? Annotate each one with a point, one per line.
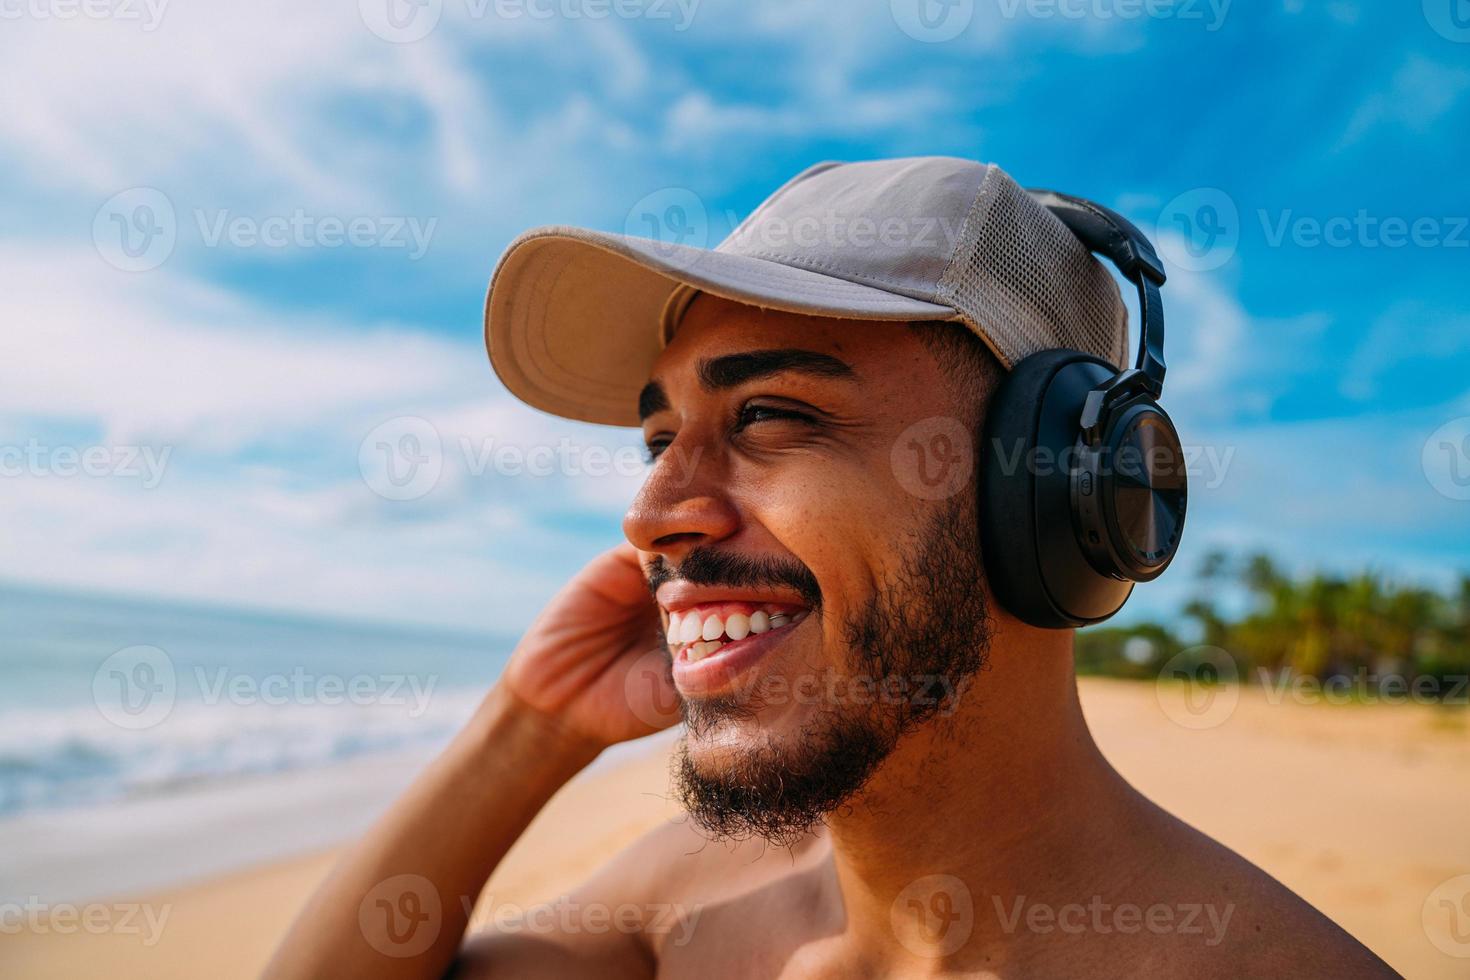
(1028, 539)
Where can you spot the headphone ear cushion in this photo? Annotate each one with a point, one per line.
(1035, 566)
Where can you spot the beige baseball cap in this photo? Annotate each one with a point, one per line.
(575, 318)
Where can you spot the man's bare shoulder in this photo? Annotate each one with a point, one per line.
(1250, 923)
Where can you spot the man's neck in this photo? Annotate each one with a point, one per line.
(1008, 794)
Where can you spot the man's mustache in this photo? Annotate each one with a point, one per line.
(708, 567)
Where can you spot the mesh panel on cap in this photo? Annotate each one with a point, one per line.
(1024, 281)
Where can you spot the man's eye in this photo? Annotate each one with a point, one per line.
(654, 449)
(751, 413)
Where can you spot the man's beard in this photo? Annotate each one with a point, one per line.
(926, 634)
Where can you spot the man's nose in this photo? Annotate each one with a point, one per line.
(682, 505)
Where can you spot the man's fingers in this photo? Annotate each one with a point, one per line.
(617, 575)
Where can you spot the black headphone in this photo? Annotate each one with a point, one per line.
(1082, 477)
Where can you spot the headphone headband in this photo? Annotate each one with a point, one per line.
(1117, 239)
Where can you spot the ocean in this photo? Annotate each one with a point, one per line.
(105, 699)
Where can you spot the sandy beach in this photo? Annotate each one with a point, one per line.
(1361, 809)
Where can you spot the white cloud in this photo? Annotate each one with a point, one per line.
(262, 415)
(260, 103)
(1225, 363)
(159, 356)
(1408, 331)
(1421, 94)
(697, 120)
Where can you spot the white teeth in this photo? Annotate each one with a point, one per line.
(702, 636)
(698, 651)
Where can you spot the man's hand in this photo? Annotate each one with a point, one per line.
(591, 671)
(594, 661)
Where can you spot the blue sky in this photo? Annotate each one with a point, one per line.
(1321, 369)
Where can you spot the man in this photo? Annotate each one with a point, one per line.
(894, 765)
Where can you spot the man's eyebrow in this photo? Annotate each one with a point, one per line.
(734, 369)
(719, 373)
(651, 399)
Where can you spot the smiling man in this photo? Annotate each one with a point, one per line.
(860, 610)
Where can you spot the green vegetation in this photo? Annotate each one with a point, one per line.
(1381, 635)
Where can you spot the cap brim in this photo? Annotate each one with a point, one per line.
(573, 317)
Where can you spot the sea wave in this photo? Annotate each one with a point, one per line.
(72, 756)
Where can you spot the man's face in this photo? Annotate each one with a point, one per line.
(816, 609)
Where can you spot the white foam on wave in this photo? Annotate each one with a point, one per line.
(75, 755)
